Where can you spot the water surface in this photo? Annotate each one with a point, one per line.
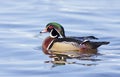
(21, 21)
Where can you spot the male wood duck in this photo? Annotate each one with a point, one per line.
(58, 43)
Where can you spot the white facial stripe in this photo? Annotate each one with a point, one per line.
(52, 35)
(58, 32)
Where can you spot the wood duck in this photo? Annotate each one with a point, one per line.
(58, 43)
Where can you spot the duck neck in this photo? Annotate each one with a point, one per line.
(46, 44)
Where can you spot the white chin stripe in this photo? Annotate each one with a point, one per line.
(52, 35)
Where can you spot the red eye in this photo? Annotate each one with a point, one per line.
(51, 27)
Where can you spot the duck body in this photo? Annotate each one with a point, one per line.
(54, 44)
(65, 45)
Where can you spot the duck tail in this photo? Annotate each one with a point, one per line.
(94, 45)
(98, 44)
(105, 43)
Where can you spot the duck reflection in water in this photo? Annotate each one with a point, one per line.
(58, 59)
(60, 47)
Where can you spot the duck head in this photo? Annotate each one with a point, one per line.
(56, 30)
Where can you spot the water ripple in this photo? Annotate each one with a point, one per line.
(20, 41)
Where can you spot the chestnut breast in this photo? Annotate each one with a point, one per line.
(46, 44)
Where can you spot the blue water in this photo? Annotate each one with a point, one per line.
(22, 20)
